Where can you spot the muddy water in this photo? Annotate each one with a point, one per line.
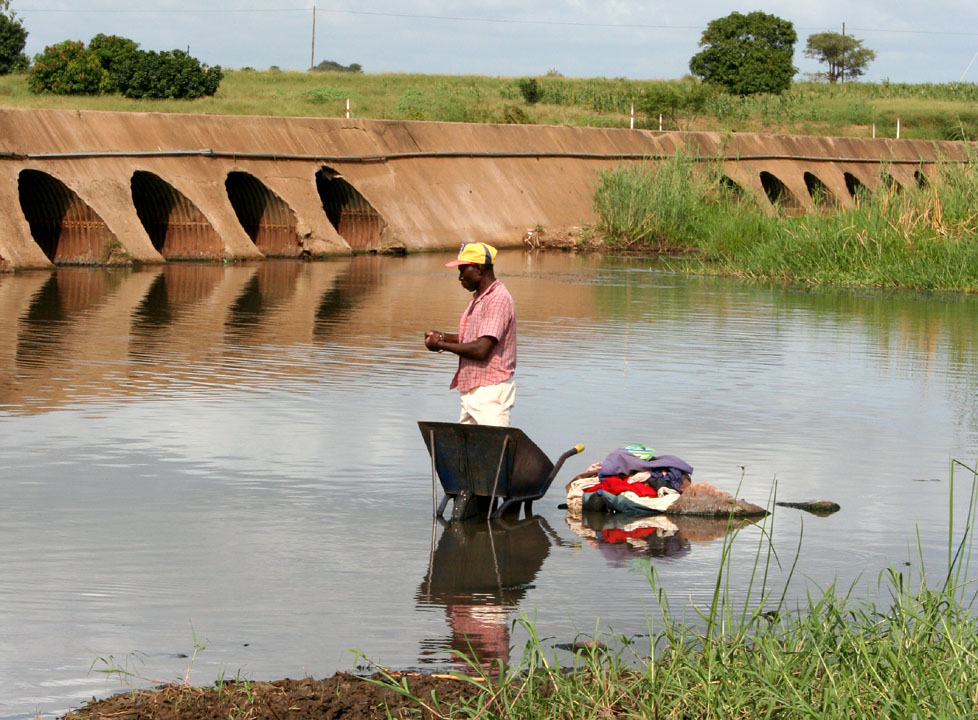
(231, 453)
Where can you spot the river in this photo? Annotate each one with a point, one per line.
(228, 455)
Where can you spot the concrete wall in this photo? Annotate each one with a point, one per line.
(79, 187)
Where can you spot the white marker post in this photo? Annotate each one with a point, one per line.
(348, 108)
(631, 118)
(660, 122)
(874, 130)
(898, 128)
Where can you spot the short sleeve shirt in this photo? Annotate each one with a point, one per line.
(491, 314)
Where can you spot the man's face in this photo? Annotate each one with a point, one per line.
(469, 276)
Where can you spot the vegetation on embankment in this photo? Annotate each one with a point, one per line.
(944, 112)
(923, 238)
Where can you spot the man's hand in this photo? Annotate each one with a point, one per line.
(432, 338)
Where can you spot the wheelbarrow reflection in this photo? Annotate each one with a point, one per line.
(479, 572)
(480, 464)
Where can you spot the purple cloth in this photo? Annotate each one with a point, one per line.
(622, 462)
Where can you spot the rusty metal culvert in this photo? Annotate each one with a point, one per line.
(65, 227)
(264, 216)
(349, 212)
(176, 227)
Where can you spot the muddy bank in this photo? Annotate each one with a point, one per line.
(343, 695)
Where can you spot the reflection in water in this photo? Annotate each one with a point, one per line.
(479, 572)
(621, 538)
(67, 297)
(209, 412)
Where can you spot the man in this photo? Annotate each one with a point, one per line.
(485, 342)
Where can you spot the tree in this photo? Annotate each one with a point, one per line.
(844, 54)
(168, 74)
(115, 54)
(13, 38)
(68, 68)
(747, 54)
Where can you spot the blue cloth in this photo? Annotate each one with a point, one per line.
(622, 462)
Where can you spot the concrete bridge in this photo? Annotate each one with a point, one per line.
(88, 188)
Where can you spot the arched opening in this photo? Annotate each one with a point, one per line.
(821, 196)
(888, 183)
(920, 179)
(778, 193)
(67, 230)
(177, 229)
(854, 186)
(265, 217)
(354, 219)
(731, 188)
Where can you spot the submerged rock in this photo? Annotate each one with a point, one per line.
(815, 507)
(701, 498)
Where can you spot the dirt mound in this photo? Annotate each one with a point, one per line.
(703, 499)
(343, 695)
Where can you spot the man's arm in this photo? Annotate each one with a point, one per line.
(479, 349)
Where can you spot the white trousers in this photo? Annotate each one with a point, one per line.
(489, 405)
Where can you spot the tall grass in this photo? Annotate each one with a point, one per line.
(915, 655)
(920, 238)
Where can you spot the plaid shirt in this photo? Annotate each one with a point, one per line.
(491, 314)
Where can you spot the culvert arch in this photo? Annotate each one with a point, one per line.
(65, 227)
(820, 194)
(265, 217)
(778, 193)
(350, 213)
(176, 227)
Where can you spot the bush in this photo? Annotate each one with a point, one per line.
(530, 90)
(333, 66)
(167, 74)
(113, 63)
(115, 54)
(68, 68)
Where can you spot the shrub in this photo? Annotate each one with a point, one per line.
(115, 54)
(333, 66)
(68, 68)
(167, 74)
(530, 90)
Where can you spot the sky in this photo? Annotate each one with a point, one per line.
(915, 42)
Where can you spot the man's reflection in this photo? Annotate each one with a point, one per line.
(479, 572)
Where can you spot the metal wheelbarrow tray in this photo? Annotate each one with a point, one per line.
(486, 463)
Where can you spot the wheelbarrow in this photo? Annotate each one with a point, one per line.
(480, 464)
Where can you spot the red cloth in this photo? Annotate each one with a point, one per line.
(616, 485)
(491, 314)
(616, 535)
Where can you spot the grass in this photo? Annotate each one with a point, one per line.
(832, 657)
(946, 111)
(920, 238)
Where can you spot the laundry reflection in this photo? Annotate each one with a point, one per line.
(621, 538)
(478, 573)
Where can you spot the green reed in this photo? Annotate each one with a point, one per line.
(920, 237)
(832, 656)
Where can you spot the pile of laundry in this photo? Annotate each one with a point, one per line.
(631, 480)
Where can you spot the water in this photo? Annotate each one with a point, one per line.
(230, 453)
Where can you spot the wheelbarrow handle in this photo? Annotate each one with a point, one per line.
(560, 461)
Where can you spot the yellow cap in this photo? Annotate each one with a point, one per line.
(474, 254)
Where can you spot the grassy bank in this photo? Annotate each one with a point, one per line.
(948, 111)
(923, 238)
